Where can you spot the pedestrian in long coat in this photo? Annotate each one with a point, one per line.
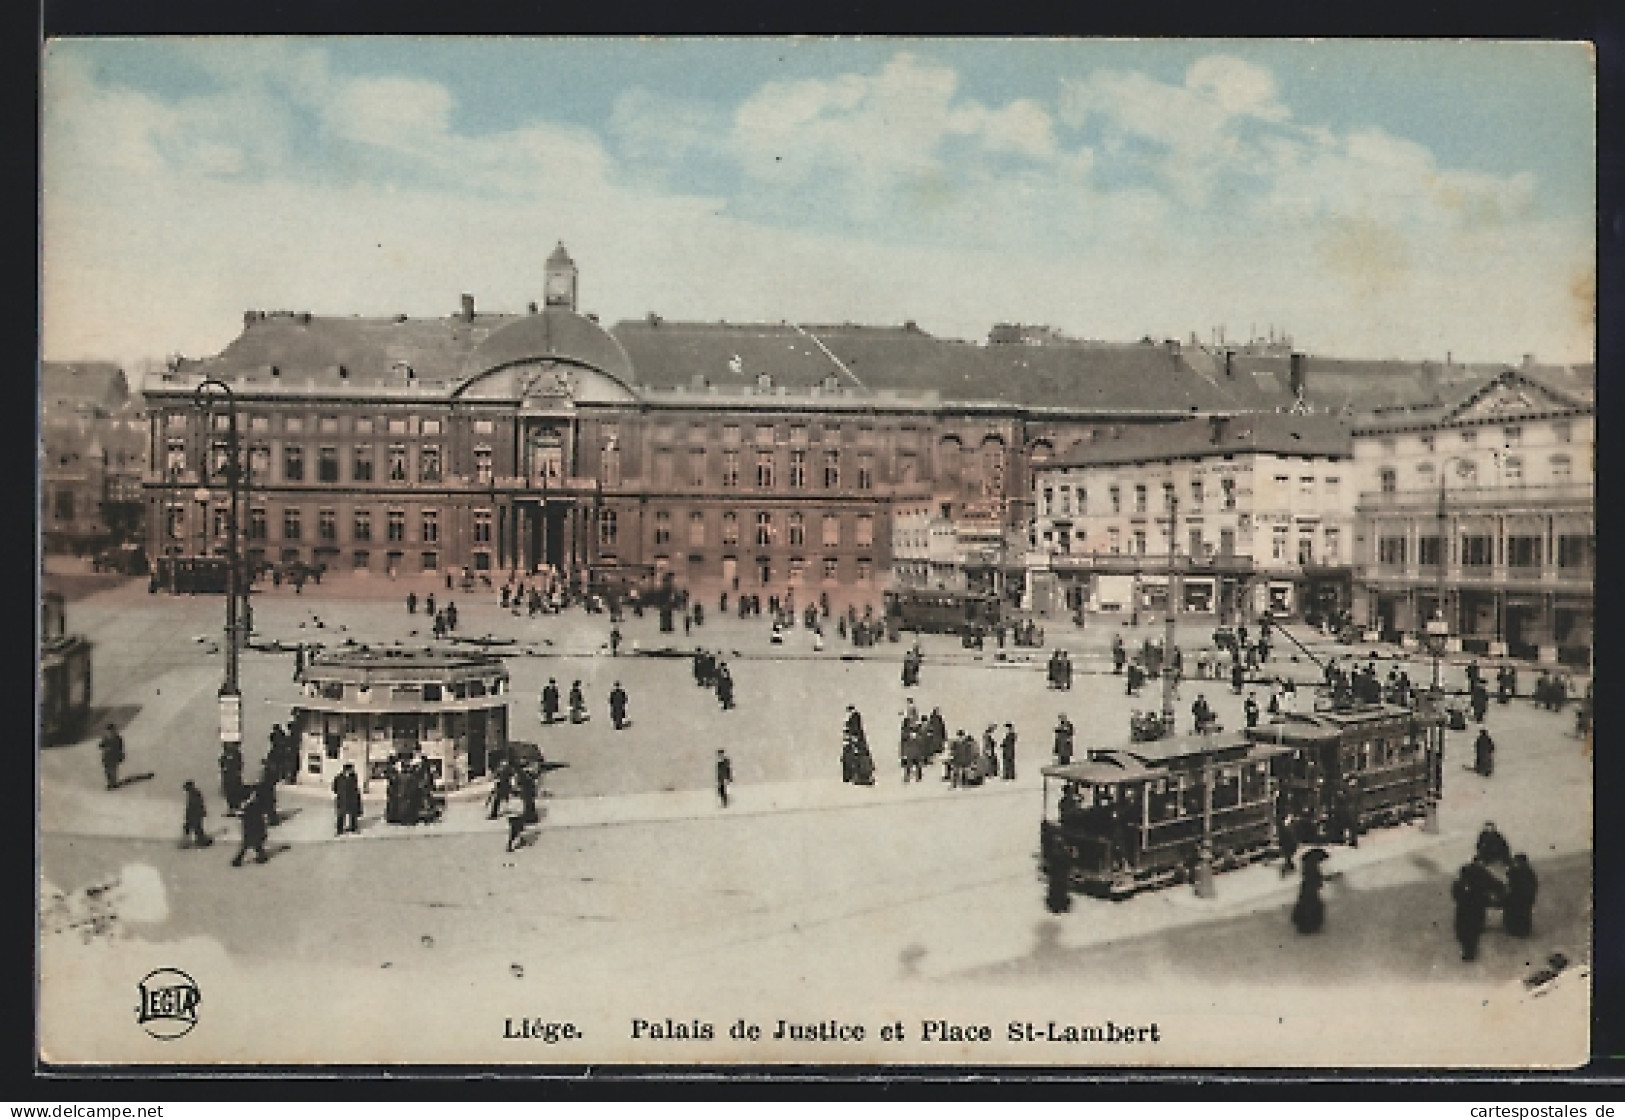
(1008, 749)
(231, 777)
(990, 753)
(1517, 912)
(1309, 913)
(267, 790)
(347, 801)
(112, 751)
(578, 704)
(550, 701)
(1063, 740)
(1250, 708)
(1472, 899)
(525, 779)
(192, 826)
(617, 706)
(254, 831)
(725, 688)
(1480, 702)
(1484, 753)
(501, 790)
(1238, 677)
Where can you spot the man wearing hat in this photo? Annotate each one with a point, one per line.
(617, 706)
(347, 800)
(192, 827)
(1008, 750)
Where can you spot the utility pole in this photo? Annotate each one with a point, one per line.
(231, 699)
(1173, 608)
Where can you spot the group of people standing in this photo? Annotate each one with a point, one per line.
(710, 671)
(965, 763)
(1478, 889)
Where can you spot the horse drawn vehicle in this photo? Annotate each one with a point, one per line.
(1141, 816)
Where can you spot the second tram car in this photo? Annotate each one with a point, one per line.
(1137, 817)
(942, 612)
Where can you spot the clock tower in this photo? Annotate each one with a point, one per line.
(559, 280)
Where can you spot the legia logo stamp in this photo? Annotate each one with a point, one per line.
(169, 1003)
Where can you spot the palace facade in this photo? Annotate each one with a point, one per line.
(760, 458)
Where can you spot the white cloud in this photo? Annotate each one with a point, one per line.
(402, 113)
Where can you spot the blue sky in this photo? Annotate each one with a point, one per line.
(1374, 199)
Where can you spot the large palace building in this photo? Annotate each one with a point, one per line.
(758, 457)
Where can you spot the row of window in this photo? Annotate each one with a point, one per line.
(327, 466)
(796, 527)
(1561, 469)
(796, 570)
(1511, 436)
(1065, 500)
(1065, 540)
(766, 469)
(326, 526)
(1477, 550)
(181, 420)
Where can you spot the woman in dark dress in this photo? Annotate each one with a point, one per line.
(1310, 912)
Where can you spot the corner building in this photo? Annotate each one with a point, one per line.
(763, 458)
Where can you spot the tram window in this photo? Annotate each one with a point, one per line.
(431, 692)
(1226, 789)
(1190, 800)
(476, 688)
(332, 690)
(460, 690)
(1252, 782)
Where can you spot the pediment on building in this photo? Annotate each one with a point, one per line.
(1512, 396)
(546, 385)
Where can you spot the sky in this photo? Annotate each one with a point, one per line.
(1371, 199)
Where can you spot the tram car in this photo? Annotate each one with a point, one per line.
(65, 681)
(1363, 766)
(1136, 817)
(942, 612)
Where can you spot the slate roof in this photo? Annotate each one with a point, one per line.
(1270, 433)
(1107, 376)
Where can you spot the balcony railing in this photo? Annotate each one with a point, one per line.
(1461, 498)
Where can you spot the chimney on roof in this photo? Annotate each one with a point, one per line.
(1528, 361)
(654, 320)
(1296, 377)
(468, 307)
(1217, 426)
(1173, 348)
(344, 373)
(531, 307)
(1230, 363)
(248, 318)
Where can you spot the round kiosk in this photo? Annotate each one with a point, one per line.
(372, 707)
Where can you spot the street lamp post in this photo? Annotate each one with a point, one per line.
(231, 701)
(1169, 626)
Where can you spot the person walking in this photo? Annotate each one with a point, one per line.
(112, 751)
(1119, 654)
(266, 791)
(526, 781)
(725, 775)
(990, 752)
(192, 825)
(578, 704)
(412, 602)
(1517, 911)
(501, 790)
(254, 831)
(1063, 740)
(347, 801)
(1250, 709)
(550, 701)
(1007, 749)
(725, 687)
(231, 777)
(1238, 677)
(1484, 753)
(1471, 897)
(617, 706)
(614, 641)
